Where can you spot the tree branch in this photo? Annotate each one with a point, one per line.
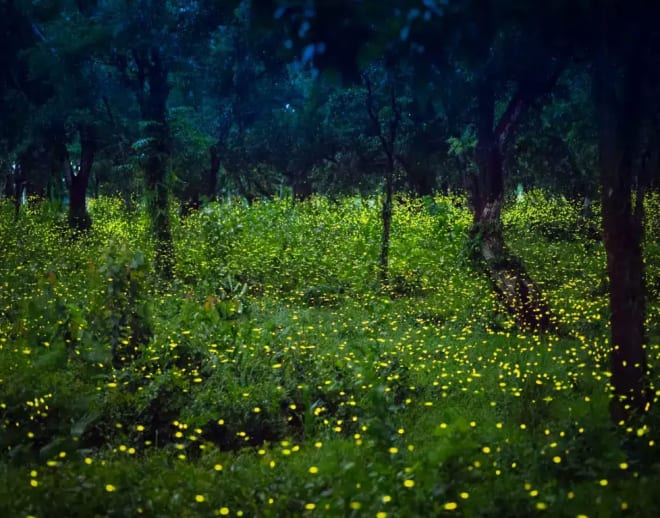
(521, 100)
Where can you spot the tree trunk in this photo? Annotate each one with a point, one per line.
(387, 225)
(619, 112)
(511, 282)
(622, 229)
(153, 105)
(155, 170)
(78, 216)
(388, 141)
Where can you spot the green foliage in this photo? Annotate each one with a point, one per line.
(553, 217)
(123, 311)
(465, 144)
(251, 382)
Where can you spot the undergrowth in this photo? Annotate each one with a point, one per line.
(274, 377)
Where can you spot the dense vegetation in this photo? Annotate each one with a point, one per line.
(333, 256)
(273, 377)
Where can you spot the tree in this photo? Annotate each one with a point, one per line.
(151, 40)
(19, 91)
(626, 84)
(387, 132)
(484, 38)
(68, 57)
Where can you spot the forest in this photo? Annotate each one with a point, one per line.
(329, 258)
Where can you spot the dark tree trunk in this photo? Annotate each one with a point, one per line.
(618, 97)
(152, 93)
(513, 285)
(155, 169)
(622, 231)
(78, 216)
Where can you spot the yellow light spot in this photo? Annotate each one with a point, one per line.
(110, 488)
(199, 498)
(224, 511)
(409, 483)
(450, 506)
(218, 467)
(310, 506)
(313, 470)
(556, 459)
(603, 482)
(34, 483)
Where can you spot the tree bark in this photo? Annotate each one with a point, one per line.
(78, 216)
(522, 298)
(153, 106)
(387, 141)
(622, 230)
(618, 96)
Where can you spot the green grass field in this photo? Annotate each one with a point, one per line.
(274, 377)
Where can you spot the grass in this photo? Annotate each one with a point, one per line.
(273, 377)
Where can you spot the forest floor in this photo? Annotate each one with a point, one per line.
(274, 377)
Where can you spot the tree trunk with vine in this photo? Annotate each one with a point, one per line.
(513, 285)
(153, 91)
